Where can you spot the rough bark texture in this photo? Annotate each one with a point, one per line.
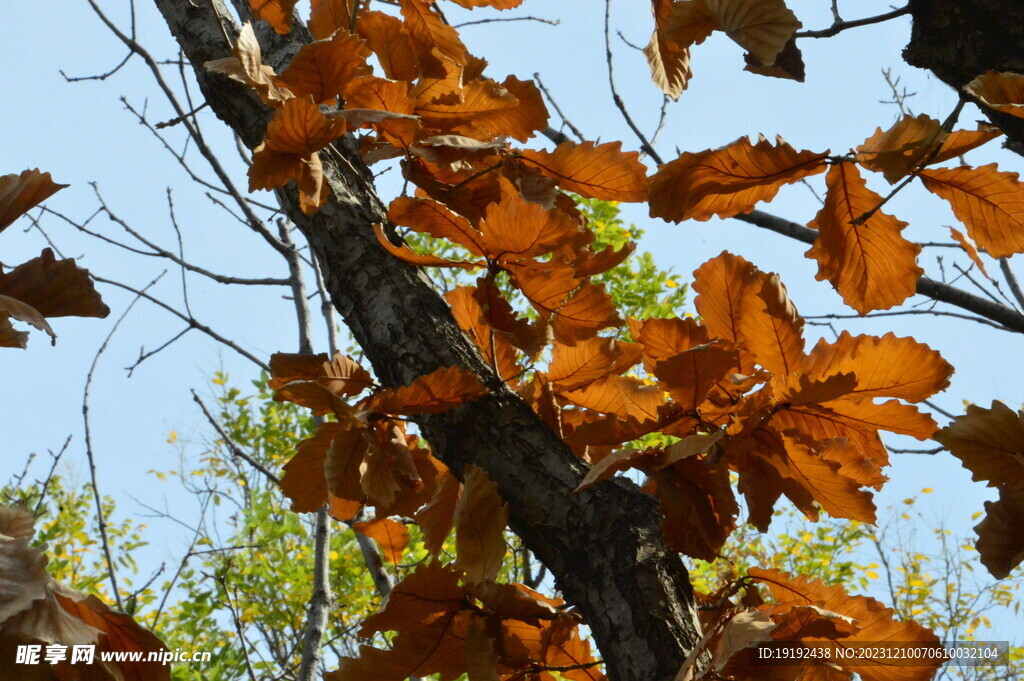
(958, 40)
(604, 545)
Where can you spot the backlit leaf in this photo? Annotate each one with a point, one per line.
(277, 13)
(989, 203)
(386, 36)
(480, 519)
(391, 537)
(433, 393)
(668, 60)
(729, 180)
(325, 68)
(1003, 92)
(597, 172)
(870, 264)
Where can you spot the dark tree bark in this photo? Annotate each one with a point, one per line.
(958, 40)
(603, 546)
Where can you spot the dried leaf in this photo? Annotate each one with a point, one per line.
(1003, 92)
(989, 203)
(247, 68)
(391, 537)
(325, 68)
(431, 37)
(277, 13)
(729, 180)
(771, 327)
(480, 519)
(574, 366)
(433, 393)
(21, 193)
(689, 375)
(327, 16)
(305, 479)
(668, 60)
(437, 518)
(597, 172)
(870, 264)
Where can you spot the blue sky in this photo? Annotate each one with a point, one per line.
(82, 133)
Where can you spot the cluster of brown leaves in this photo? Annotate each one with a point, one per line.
(42, 287)
(480, 628)
(805, 613)
(764, 28)
(860, 249)
(37, 610)
(990, 444)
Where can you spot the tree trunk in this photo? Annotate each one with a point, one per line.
(604, 545)
(958, 40)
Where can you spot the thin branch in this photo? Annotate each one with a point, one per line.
(558, 110)
(840, 26)
(900, 313)
(933, 450)
(191, 321)
(49, 476)
(939, 409)
(235, 450)
(1011, 281)
(100, 518)
(1006, 317)
(495, 20)
(645, 145)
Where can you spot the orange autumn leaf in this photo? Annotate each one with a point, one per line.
(327, 16)
(299, 128)
(496, 346)
(870, 264)
(431, 217)
(431, 37)
(515, 228)
(623, 396)
(496, 4)
(689, 375)
(1003, 92)
(789, 64)
(595, 171)
(277, 13)
(900, 149)
(391, 537)
(721, 284)
(304, 480)
(668, 60)
(45, 287)
(729, 180)
(839, 495)
(431, 589)
(664, 338)
(488, 110)
(989, 442)
(325, 68)
(437, 517)
(433, 393)
(379, 94)
(577, 309)
(387, 38)
(480, 519)
(988, 202)
(771, 327)
(877, 626)
(886, 366)
(341, 471)
(969, 247)
(406, 254)
(574, 366)
(20, 193)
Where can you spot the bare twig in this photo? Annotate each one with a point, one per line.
(232, 447)
(645, 145)
(558, 110)
(100, 518)
(49, 476)
(840, 26)
(495, 20)
(1011, 281)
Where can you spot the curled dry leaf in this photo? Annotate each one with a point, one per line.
(729, 180)
(870, 264)
(327, 16)
(20, 193)
(247, 68)
(668, 60)
(1002, 91)
(969, 247)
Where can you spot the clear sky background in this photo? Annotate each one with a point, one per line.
(82, 133)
